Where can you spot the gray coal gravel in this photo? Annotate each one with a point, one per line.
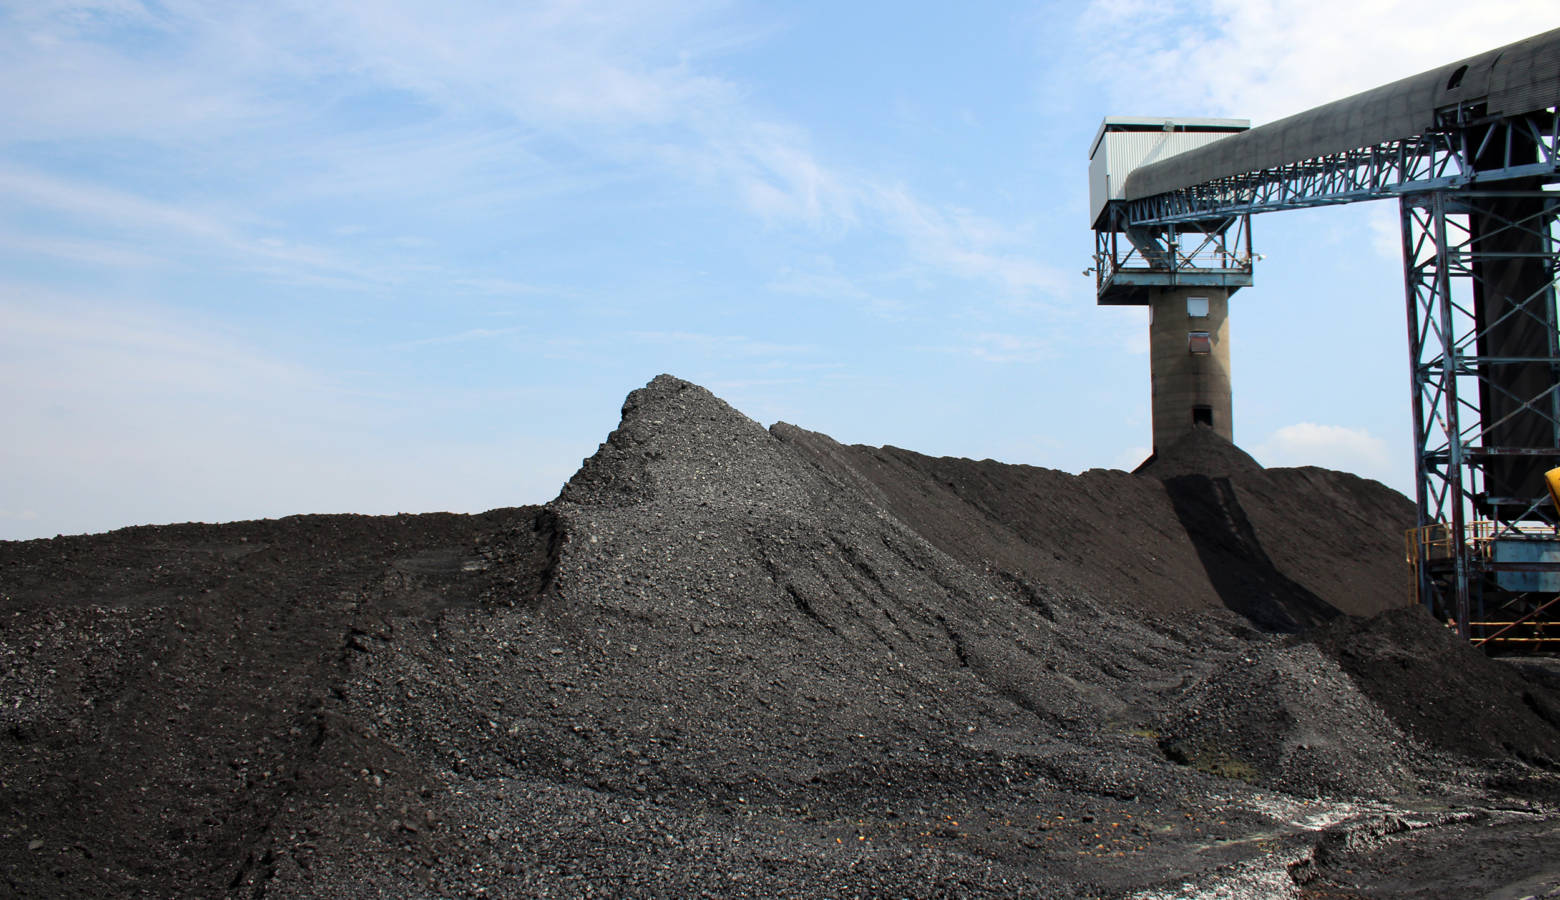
(730, 661)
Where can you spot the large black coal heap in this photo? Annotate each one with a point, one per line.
(731, 661)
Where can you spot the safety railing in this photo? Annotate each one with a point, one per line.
(1437, 542)
(1527, 630)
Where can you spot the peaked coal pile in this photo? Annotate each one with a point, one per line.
(725, 661)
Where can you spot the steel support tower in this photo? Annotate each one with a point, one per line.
(1479, 272)
(1471, 154)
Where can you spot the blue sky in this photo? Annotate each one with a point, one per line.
(263, 259)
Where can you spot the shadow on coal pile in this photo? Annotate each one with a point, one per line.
(731, 661)
(1239, 570)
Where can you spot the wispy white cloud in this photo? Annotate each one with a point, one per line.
(625, 87)
(145, 224)
(462, 337)
(121, 413)
(733, 386)
(62, 74)
(101, 204)
(724, 345)
(817, 284)
(966, 244)
(103, 65)
(1339, 447)
(996, 347)
(586, 62)
(830, 285)
(1134, 341)
(499, 286)
(782, 178)
(95, 349)
(1386, 232)
(1265, 59)
(78, 250)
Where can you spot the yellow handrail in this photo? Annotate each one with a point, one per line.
(1435, 541)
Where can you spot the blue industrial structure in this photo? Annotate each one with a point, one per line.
(1471, 152)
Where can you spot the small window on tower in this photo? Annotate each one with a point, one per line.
(1197, 307)
(1198, 343)
(1202, 415)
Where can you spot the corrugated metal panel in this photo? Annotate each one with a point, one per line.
(1517, 78)
(1157, 123)
(1528, 551)
(1118, 153)
(1099, 188)
(1525, 81)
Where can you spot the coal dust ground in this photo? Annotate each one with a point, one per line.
(730, 661)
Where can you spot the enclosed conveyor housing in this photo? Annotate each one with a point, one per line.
(1505, 83)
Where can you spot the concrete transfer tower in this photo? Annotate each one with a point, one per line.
(1189, 362)
(1183, 274)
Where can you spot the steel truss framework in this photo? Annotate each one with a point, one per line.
(1464, 399)
(1474, 213)
(1145, 242)
(1442, 159)
(1128, 259)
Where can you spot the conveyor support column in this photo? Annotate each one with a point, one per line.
(1189, 361)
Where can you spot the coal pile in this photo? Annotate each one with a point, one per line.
(1446, 693)
(731, 661)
